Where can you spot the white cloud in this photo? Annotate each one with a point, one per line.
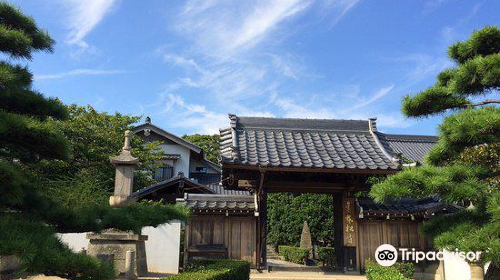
(338, 8)
(77, 72)
(379, 94)
(83, 17)
(262, 20)
(432, 5)
(292, 109)
(195, 117)
(226, 65)
(221, 28)
(424, 65)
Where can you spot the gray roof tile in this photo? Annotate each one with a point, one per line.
(412, 147)
(406, 206)
(304, 143)
(213, 202)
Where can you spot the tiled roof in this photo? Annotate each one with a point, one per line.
(148, 127)
(171, 156)
(412, 147)
(168, 183)
(403, 207)
(220, 189)
(213, 202)
(305, 143)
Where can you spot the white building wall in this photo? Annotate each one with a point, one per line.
(182, 164)
(75, 241)
(455, 268)
(162, 246)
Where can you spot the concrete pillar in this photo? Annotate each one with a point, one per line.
(125, 165)
(476, 271)
(439, 274)
(130, 265)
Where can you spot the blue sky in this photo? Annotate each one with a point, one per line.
(187, 64)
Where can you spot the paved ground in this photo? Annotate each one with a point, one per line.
(304, 276)
(154, 276)
(281, 263)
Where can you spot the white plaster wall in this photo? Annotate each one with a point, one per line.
(181, 164)
(163, 247)
(75, 241)
(455, 268)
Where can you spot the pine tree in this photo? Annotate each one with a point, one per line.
(463, 167)
(28, 217)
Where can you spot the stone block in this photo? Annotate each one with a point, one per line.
(117, 243)
(8, 264)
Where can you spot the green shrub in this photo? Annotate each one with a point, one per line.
(40, 251)
(407, 269)
(374, 271)
(294, 254)
(214, 270)
(326, 255)
(286, 213)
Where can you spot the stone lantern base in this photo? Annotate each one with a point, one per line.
(113, 245)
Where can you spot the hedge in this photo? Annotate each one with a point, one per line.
(40, 251)
(214, 270)
(398, 271)
(326, 255)
(294, 254)
(407, 269)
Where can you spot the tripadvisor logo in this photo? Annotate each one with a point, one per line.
(387, 255)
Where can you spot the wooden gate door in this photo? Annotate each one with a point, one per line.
(370, 237)
(242, 242)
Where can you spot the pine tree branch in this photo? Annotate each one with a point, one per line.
(485, 102)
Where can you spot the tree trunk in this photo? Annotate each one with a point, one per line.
(493, 272)
(476, 271)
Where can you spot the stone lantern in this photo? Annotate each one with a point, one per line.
(126, 250)
(125, 165)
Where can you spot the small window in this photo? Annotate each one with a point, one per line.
(164, 173)
(201, 169)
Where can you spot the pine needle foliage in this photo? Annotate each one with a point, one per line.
(463, 167)
(34, 133)
(477, 73)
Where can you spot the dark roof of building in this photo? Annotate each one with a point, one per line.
(305, 143)
(212, 164)
(405, 207)
(412, 147)
(178, 140)
(218, 203)
(220, 189)
(142, 127)
(179, 179)
(171, 156)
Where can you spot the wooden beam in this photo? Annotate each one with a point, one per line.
(311, 170)
(305, 187)
(247, 183)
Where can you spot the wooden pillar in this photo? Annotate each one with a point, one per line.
(338, 236)
(349, 233)
(262, 223)
(263, 229)
(187, 242)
